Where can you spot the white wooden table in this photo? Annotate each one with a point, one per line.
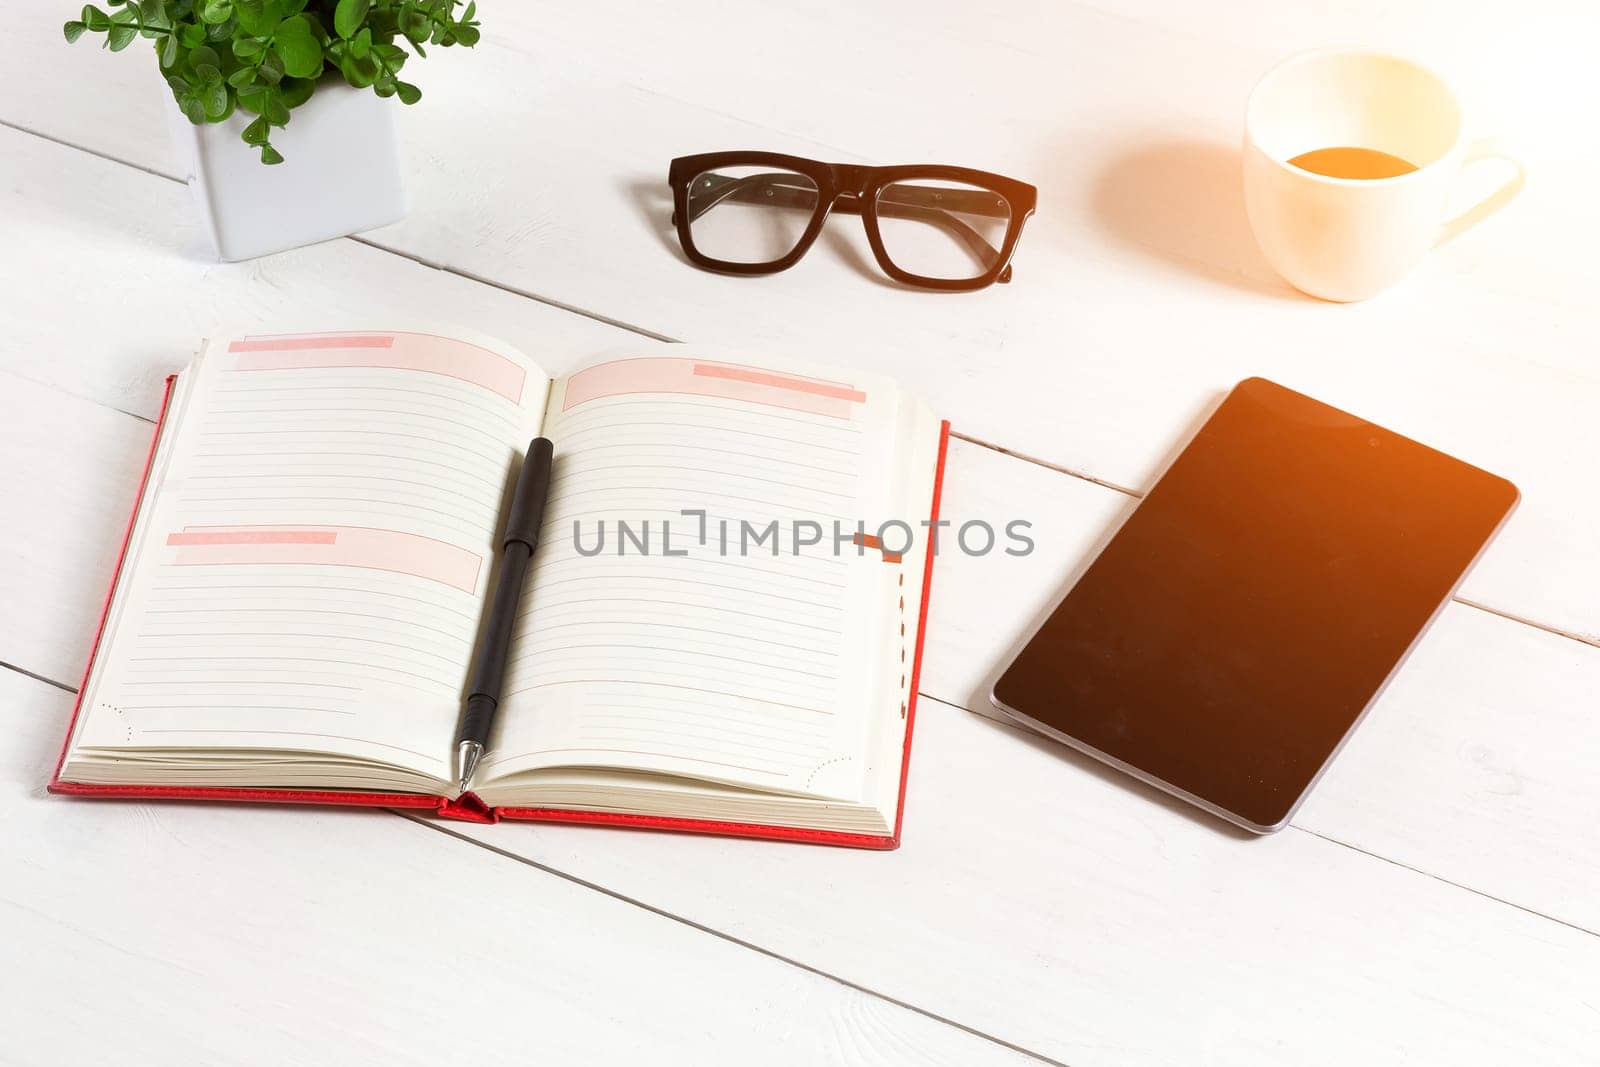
(1436, 901)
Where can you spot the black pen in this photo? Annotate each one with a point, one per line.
(516, 552)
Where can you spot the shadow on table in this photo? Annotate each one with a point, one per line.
(1073, 760)
(652, 203)
(1182, 202)
(979, 701)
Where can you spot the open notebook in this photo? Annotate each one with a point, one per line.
(714, 636)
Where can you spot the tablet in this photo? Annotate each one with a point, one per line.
(1230, 635)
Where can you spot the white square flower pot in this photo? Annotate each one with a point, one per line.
(340, 173)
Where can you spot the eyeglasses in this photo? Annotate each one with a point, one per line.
(932, 226)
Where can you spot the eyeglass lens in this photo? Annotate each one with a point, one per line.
(749, 214)
(942, 229)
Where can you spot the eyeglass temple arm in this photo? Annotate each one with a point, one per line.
(918, 203)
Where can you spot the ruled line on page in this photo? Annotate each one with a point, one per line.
(550, 653)
(276, 459)
(566, 663)
(296, 733)
(764, 616)
(630, 696)
(722, 409)
(252, 476)
(461, 637)
(780, 570)
(701, 745)
(630, 752)
(317, 590)
(302, 433)
(720, 728)
(336, 397)
(330, 422)
(698, 584)
(232, 706)
(292, 640)
(673, 446)
(671, 685)
(573, 470)
(777, 640)
(701, 428)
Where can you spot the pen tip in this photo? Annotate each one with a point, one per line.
(467, 756)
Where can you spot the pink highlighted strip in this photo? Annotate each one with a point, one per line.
(778, 381)
(687, 377)
(252, 537)
(297, 344)
(402, 351)
(334, 546)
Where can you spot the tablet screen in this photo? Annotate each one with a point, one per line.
(1234, 629)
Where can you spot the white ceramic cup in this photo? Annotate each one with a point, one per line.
(1349, 238)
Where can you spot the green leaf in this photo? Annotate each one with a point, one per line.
(415, 25)
(95, 19)
(169, 51)
(394, 57)
(384, 86)
(247, 47)
(258, 18)
(296, 91)
(253, 98)
(216, 11)
(360, 72)
(257, 132)
(275, 112)
(214, 99)
(192, 109)
(467, 35)
(270, 156)
(242, 77)
(192, 34)
(271, 68)
(297, 45)
(73, 30)
(472, 9)
(121, 36)
(206, 76)
(204, 56)
(361, 43)
(409, 94)
(153, 10)
(349, 16)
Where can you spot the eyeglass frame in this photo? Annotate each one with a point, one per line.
(853, 189)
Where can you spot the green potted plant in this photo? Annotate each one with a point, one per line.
(305, 86)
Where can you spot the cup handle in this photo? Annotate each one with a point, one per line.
(1477, 152)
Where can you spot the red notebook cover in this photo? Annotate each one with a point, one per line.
(468, 807)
